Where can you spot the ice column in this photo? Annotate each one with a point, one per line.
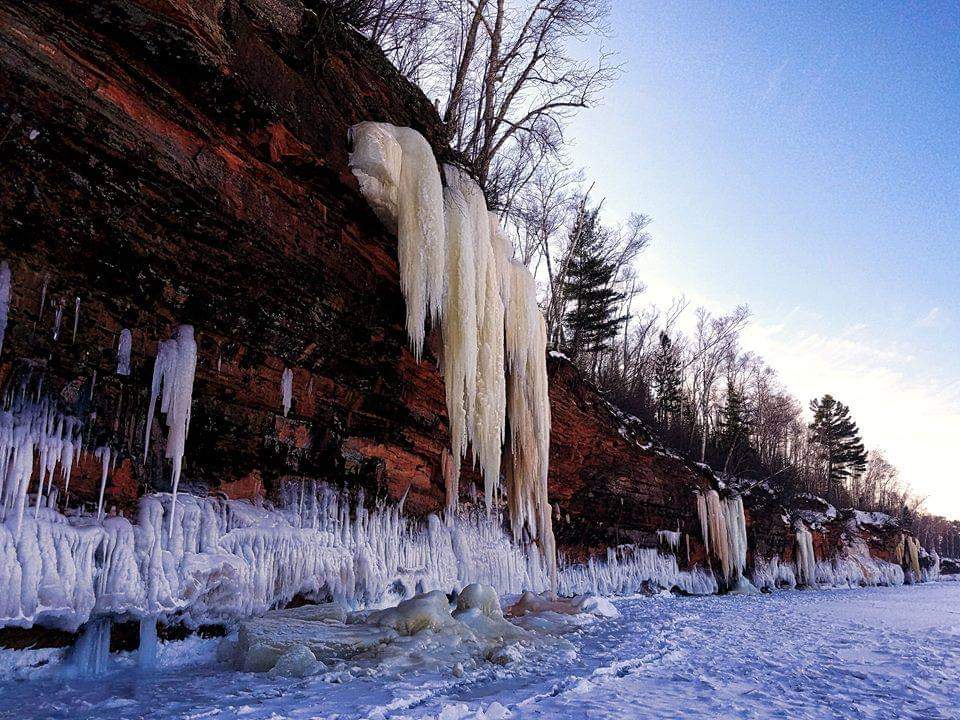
(174, 370)
(123, 352)
(286, 390)
(90, 654)
(4, 300)
(806, 559)
(724, 530)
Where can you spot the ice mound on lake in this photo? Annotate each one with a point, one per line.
(428, 632)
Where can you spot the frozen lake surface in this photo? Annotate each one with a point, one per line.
(870, 653)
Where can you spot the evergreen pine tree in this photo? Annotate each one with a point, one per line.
(838, 435)
(667, 381)
(734, 424)
(592, 317)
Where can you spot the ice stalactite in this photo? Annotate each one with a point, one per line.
(628, 569)
(123, 352)
(528, 410)
(724, 531)
(76, 319)
(473, 332)
(57, 319)
(286, 390)
(489, 313)
(92, 651)
(908, 554)
(149, 645)
(670, 538)
(5, 287)
(174, 371)
(773, 574)
(399, 177)
(35, 439)
(103, 455)
(43, 296)
(806, 559)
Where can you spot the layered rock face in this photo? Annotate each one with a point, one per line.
(173, 162)
(186, 163)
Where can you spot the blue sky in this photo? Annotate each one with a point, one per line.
(804, 159)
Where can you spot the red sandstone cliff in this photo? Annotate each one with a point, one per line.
(172, 161)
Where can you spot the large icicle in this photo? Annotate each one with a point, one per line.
(286, 390)
(489, 315)
(473, 332)
(528, 408)
(4, 300)
(123, 352)
(806, 559)
(103, 455)
(398, 175)
(724, 530)
(174, 370)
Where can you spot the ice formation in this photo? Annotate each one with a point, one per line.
(490, 319)
(89, 656)
(76, 318)
(724, 531)
(286, 390)
(173, 370)
(398, 175)
(473, 333)
(806, 560)
(43, 296)
(629, 569)
(123, 352)
(908, 555)
(36, 439)
(4, 300)
(230, 559)
(425, 633)
(773, 574)
(103, 455)
(57, 319)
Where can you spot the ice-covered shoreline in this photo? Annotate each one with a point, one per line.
(886, 652)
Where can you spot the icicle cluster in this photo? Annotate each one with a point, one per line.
(629, 569)
(806, 560)
(456, 262)
(36, 440)
(228, 559)
(473, 332)
(123, 352)
(173, 371)
(908, 555)
(399, 177)
(5, 285)
(528, 402)
(286, 390)
(724, 530)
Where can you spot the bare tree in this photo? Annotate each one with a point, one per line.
(512, 82)
(714, 341)
(406, 30)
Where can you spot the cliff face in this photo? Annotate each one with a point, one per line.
(172, 162)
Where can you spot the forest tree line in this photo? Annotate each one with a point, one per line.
(506, 77)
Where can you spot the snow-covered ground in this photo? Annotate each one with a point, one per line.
(865, 653)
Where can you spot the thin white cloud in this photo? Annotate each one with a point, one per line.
(932, 319)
